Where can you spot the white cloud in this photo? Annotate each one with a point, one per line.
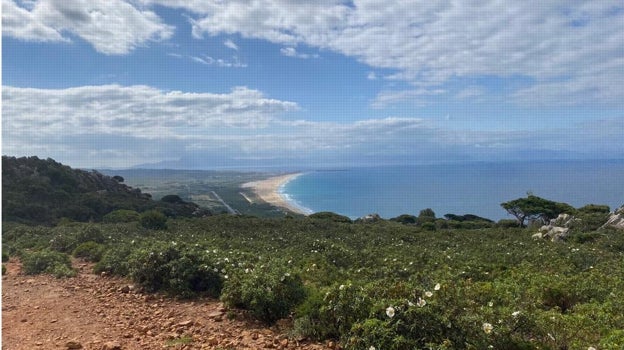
(558, 45)
(292, 52)
(414, 96)
(219, 62)
(113, 27)
(112, 125)
(134, 110)
(230, 44)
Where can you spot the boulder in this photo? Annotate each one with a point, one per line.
(557, 230)
(616, 219)
(72, 344)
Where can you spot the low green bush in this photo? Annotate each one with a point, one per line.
(181, 271)
(341, 307)
(270, 292)
(48, 262)
(153, 220)
(89, 251)
(115, 261)
(329, 216)
(121, 215)
(5, 256)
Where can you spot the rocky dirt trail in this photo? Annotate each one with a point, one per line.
(106, 313)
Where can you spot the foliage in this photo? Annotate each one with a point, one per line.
(5, 256)
(329, 216)
(481, 287)
(154, 220)
(48, 262)
(590, 217)
(405, 219)
(534, 208)
(90, 251)
(37, 191)
(172, 198)
(269, 291)
(181, 271)
(121, 215)
(115, 261)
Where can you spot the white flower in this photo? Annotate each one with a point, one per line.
(421, 302)
(591, 348)
(428, 294)
(342, 286)
(390, 311)
(515, 313)
(437, 287)
(372, 348)
(490, 304)
(487, 327)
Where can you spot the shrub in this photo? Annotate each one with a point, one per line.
(171, 198)
(405, 219)
(343, 305)
(121, 215)
(4, 270)
(429, 226)
(5, 256)
(90, 233)
(507, 223)
(89, 251)
(63, 240)
(329, 216)
(268, 292)
(154, 220)
(46, 261)
(115, 261)
(180, 271)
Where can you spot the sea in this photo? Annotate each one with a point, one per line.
(467, 188)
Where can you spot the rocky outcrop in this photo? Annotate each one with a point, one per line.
(616, 219)
(370, 218)
(557, 230)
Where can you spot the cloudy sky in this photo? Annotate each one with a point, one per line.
(204, 84)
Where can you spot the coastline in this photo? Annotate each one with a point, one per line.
(270, 191)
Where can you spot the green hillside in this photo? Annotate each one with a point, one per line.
(39, 191)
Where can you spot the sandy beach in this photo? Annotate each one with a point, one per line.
(268, 191)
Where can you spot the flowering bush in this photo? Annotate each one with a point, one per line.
(270, 292)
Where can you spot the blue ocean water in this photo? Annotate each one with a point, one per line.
(474, 188)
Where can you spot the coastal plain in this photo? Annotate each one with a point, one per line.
(247, 193)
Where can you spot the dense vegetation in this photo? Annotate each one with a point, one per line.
(412, 282)
(41, 191)
(382, 284)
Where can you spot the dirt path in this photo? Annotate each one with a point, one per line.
(105, 313)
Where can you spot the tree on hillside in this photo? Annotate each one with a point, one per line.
(426, 215)
(534, 208)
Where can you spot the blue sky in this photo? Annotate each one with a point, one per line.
(203, 84)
